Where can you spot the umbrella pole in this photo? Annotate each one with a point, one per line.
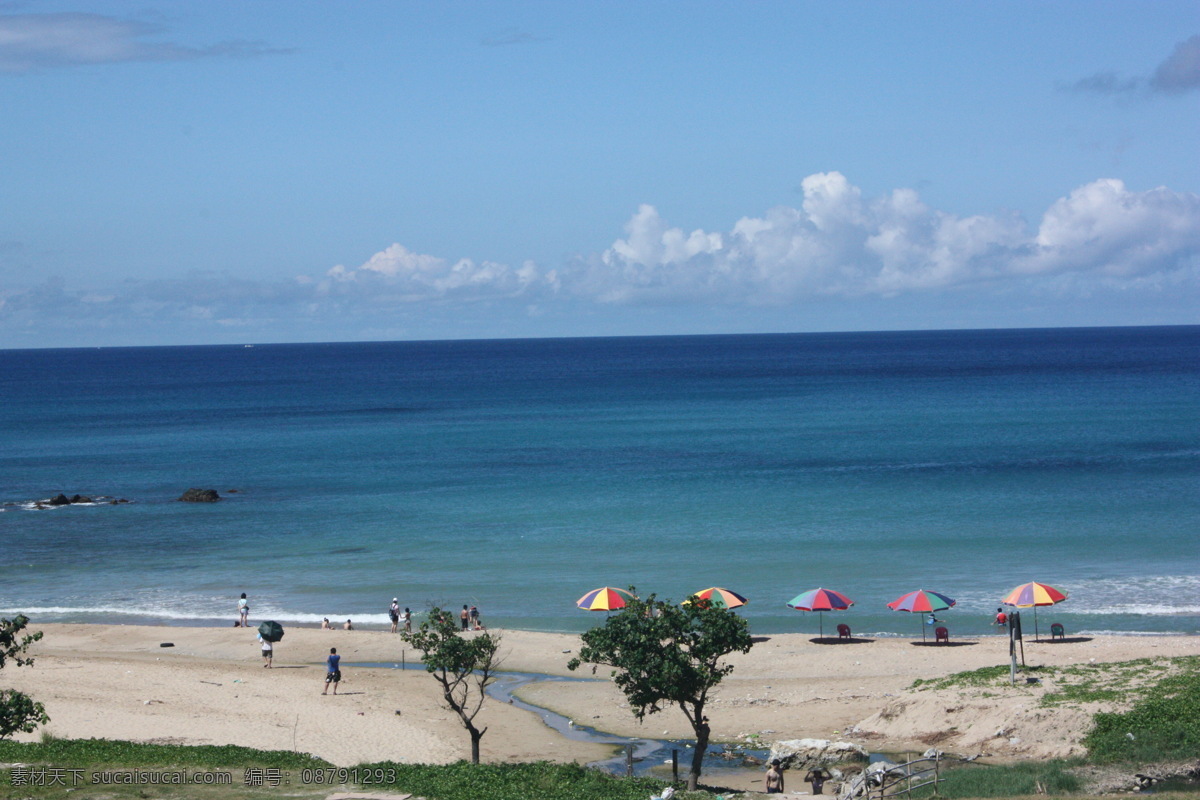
(821, 618)
(1035, 625)
(922, 618)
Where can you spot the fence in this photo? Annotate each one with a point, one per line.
(903, 779)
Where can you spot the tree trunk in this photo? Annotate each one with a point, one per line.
(702, 731)
(475, 737)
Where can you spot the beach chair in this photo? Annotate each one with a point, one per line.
(941, 635)
(1057, 632)
(844, 631)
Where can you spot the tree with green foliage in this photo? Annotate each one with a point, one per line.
(18, 711)
(463, 665)
(664, 654)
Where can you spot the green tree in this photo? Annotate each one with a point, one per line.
(18, 712)
(463, 665)
(667, 655)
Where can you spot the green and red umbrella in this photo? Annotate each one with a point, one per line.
(820, 600)
(719, 598)
(922, 602)
(1032, 595)
(606, 598)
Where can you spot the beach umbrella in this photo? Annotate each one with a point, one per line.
(820, 600)
(1032, 595)
(606, 598)
(270, 630)
(921, 602)
(718, 598)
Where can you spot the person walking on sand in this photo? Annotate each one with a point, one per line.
(464, 616)
(333, 670)
(243, 611)
(394, 614)
(268, 651)
(774, 778)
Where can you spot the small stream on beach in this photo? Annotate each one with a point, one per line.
(649, 755)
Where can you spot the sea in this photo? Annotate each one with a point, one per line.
(517, 475)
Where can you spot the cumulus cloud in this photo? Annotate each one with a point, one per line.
(1180, 72)
(840, 243)
(405, 276)
(30, 42)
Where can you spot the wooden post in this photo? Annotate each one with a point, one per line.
(675, 766)
(628, 761)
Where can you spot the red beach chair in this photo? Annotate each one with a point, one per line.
(844, 632)
(941, 635)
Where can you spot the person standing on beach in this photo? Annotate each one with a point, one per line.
(476, 625)
(268, 651)
(407, 621)
(774, 778)
(394, 614)
(464, 616)
(243, 611)
(333, 670)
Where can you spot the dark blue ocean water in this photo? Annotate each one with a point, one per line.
(516, 475)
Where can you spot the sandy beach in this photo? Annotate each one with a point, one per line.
(210, 687)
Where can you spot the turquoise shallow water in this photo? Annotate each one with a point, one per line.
(516, 475)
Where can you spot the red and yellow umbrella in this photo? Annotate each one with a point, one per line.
(606, 598)
(1032, 595)
(718, 597)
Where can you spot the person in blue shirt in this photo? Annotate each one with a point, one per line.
(333, 671)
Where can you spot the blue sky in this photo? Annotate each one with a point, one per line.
(176, 172)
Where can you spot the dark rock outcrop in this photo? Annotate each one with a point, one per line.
(59, 500)
(200, 496)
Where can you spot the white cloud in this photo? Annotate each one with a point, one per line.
(1105, 228)
(838, 243)
(406, 276)
(38, 41)
(1102, 243)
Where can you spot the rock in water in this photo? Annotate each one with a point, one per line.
(200, 496)
(59, 500)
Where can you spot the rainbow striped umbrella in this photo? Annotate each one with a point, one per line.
(606, 598)
(921, 602)
(718, 597)
(820, 600)
(1032, 595)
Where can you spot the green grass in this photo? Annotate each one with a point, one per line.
(1010, 780)
(1074, 685)
(540, 780)
(1164, 724)
(103, 753)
